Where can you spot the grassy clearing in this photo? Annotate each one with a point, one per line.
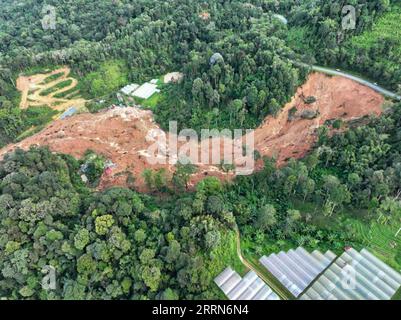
(152, 102)
(379, 239)
(58, 86)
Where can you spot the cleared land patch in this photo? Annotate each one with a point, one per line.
(120, 134)
(386, 28)
(56, 88)
(47, 89)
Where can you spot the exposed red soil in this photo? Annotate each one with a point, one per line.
(336, 98)
(122, 135)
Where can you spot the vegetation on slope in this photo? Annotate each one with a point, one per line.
(116, 244)
(345, 193)
(119, 244)
(372, 48)
(108, 78)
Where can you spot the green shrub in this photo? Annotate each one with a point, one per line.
(57, 87)
(53, 77)
(110, 77)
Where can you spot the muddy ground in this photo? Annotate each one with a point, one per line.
(124, 134)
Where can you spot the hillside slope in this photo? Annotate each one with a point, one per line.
(122, 134)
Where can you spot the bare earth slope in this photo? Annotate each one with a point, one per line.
(121, 134)
(336, 98)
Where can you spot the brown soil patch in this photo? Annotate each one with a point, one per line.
(32, 86)
(336, 98)
(122, 134)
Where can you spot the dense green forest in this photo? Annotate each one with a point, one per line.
(114, 244)
(238, 68)
(76, 20)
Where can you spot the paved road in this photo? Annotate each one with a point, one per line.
(280, 292)
(367, 83)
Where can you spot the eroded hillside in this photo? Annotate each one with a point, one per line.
(122, 134)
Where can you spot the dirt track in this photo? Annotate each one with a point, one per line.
(32, 86)
(122, 134)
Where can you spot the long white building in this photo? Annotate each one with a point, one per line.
(250, 287)
(296, 269)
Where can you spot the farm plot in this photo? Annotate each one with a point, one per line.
(50, 89)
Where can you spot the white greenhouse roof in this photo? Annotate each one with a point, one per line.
(145, 91)
(250, 287)
(127, 90)
(355, 276)
(297, 269)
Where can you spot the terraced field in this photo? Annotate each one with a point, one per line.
(380, 239)
(55, 89)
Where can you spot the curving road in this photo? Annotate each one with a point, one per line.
(367, 83)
